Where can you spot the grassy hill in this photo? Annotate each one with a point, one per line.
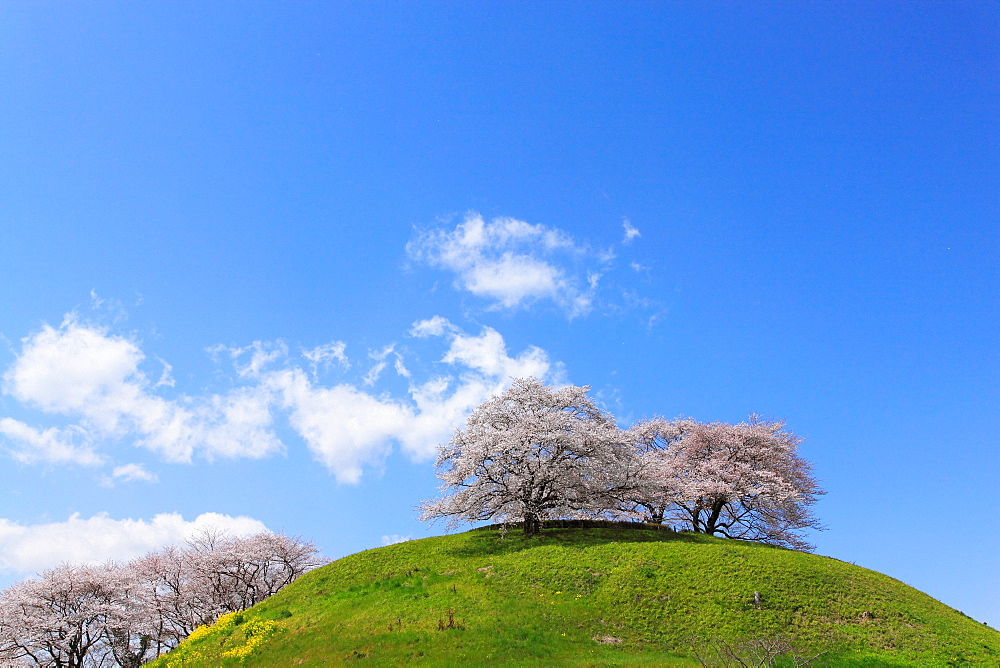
(594, 596)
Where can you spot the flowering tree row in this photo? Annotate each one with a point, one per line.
(537, 452)
(76, 616)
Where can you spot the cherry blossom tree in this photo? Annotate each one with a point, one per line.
(532, 453)
(129, 638)
(237, 573)
(189, 586)
(174, 598)
(740, 481)
(114, 614)
(652, 495)
(62, 618)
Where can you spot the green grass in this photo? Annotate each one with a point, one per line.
(588, 596)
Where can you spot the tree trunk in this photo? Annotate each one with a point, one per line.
(713, 518)
(532, 524)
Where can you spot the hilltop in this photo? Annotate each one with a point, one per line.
(605, 594)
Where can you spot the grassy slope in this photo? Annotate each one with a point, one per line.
(552, 599)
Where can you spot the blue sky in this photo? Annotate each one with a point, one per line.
(258, 259)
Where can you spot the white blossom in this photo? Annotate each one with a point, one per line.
(530, 454)
(740, 481)
(126, 614)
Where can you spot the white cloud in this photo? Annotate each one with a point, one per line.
(485, 369)
(34, 548)
(435, 326)
(630, 231)
(166, 376)
(53, 445)
(509, 261)
(511, 279)
(84, 372)
(130, 472)
(262, 354)
(346, 426)
(77, 369)
(236, 424)
(343, 426)
(487, 353)
(380, 357)
(325, 355)
(443, 405)
(392, 539)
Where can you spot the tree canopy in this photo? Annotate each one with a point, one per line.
(743, 480)
(537, 452)
(78, 616)
(532, 453)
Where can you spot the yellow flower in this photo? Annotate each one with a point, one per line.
(256, 632)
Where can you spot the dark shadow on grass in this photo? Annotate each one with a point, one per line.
(505, 539)
(585, 524)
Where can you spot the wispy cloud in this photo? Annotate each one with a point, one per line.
(84, 372)
(95, 378)
(53, 445)
(381, 359)
(325, 355)
(130, 472)
(511, 262)
(631, 232)
(392, 539)
(347, 427)
(480, 367)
